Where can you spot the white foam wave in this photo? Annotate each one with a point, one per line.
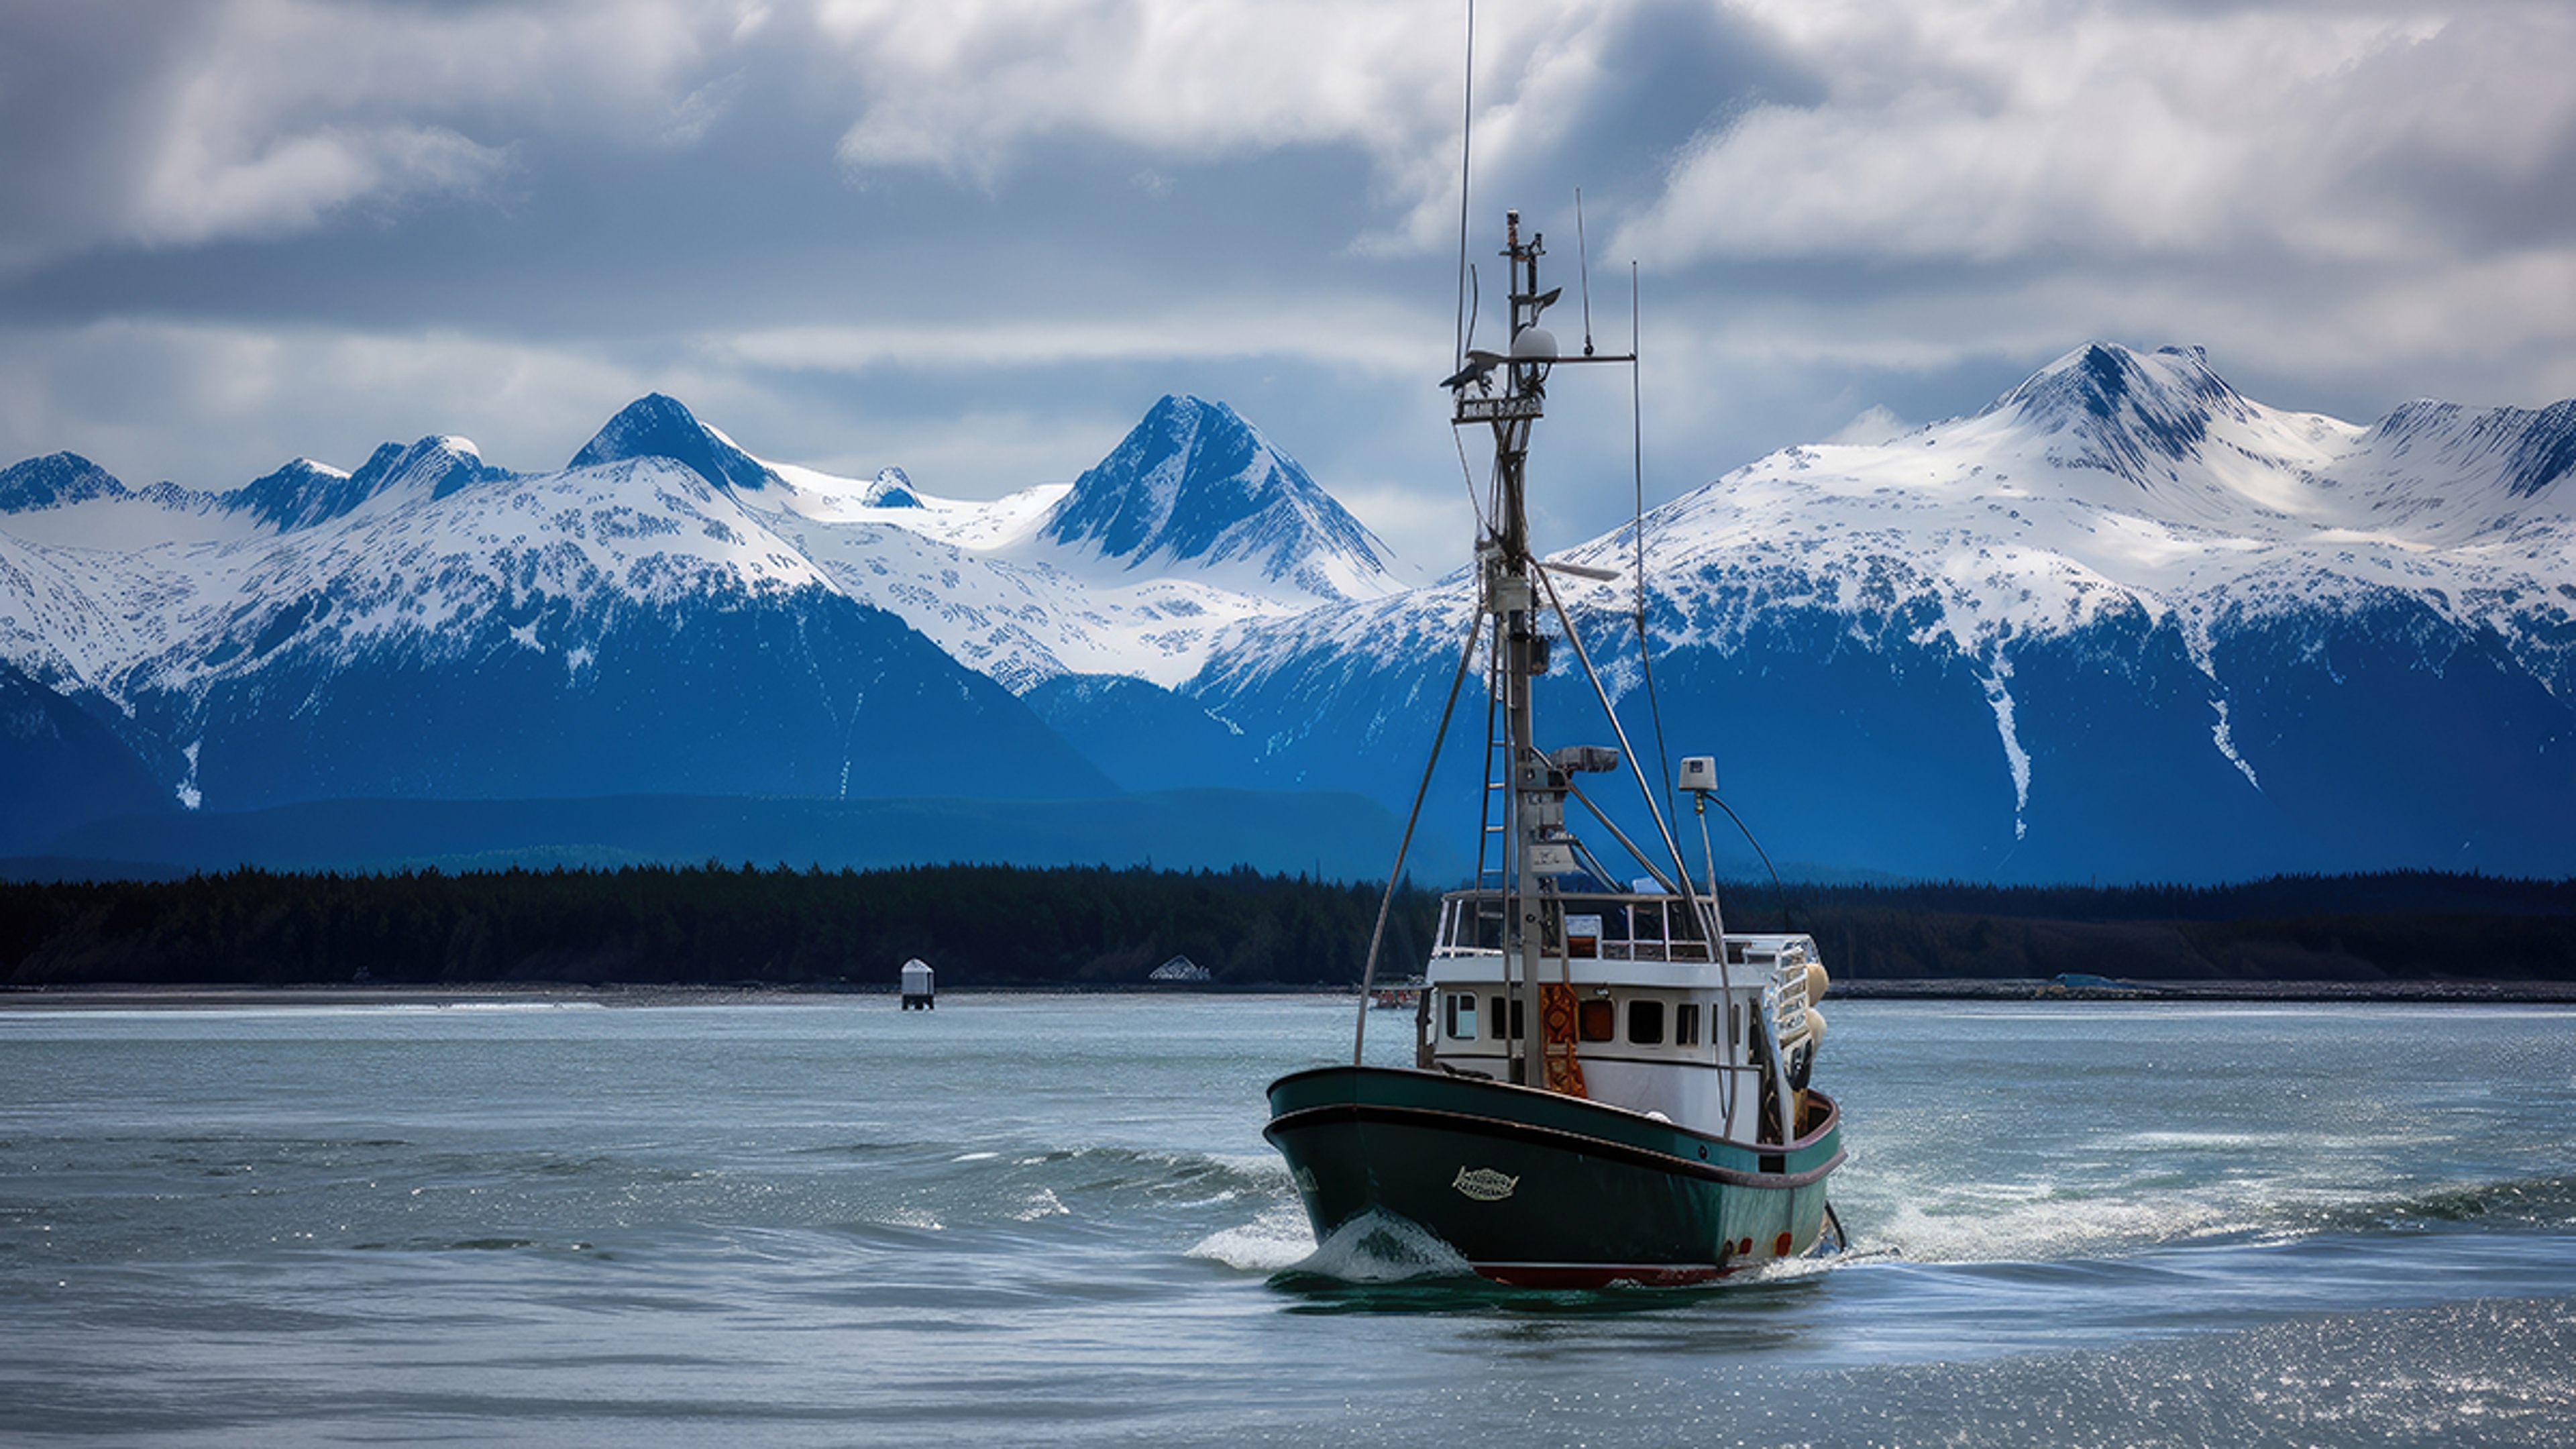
(2002, 1227)
(1380, 1247)
(1277, 1239)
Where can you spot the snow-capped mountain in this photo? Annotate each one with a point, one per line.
(457, 631)
(1194, 484)
(2124, 621)
(54, 481)
(655, 426)
(667, 613)
(1193, 524)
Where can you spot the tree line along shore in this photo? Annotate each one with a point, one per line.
(1006, 926)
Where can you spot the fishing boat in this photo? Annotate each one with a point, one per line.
(1607, 1085)
(1396, 995)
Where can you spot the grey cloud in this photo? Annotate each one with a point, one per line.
(676, 200)
(84, 94)
(2472, 131)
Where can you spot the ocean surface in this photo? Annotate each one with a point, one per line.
(1033, 1219)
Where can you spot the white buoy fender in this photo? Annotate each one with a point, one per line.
(1818, 983)
(1815, 1029)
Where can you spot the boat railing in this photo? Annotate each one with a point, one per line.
(1618, 928)
(1605, 927)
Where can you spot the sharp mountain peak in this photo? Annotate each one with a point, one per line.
(657, 425)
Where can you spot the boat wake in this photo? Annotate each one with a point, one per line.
(2539, 1203)
(2036, 1223)
(947, 1183)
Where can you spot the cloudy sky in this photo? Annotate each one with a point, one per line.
(978, 238)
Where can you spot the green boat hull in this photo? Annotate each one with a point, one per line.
(1542, 1190)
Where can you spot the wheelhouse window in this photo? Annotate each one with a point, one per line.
(1686, 1024)
(1646, 1023)
(1460, 1007)
(1495, 1021)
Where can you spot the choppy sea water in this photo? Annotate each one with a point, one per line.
(1053, 1219)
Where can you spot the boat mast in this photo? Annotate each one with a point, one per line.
(1528, 890)
(1513, 595)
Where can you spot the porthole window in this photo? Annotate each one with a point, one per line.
(1646, 1023)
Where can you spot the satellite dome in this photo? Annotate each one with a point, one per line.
(1535, 344)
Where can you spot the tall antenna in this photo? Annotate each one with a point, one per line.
(1466, 139)
(1583, 273)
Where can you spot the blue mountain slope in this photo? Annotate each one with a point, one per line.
(1848, 742)
(61, 768)
(743, 692)
(1143, 736)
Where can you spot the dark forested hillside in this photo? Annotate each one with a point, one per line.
(2388, 926)
(978, 925)
(1017, 926)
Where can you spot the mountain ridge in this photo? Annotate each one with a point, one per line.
(2122, 592)
(2123, 621)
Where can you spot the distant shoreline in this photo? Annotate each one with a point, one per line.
(2423, 992)
(186, 998)
(548, 993)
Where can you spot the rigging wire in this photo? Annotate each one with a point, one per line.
(1467, 475)
(1637, 536)
(1634, 851)
(1386, 902)
(1583, 656)
(1645, 649)
(1475, 301)
(1466, 470)
(1779, 889)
